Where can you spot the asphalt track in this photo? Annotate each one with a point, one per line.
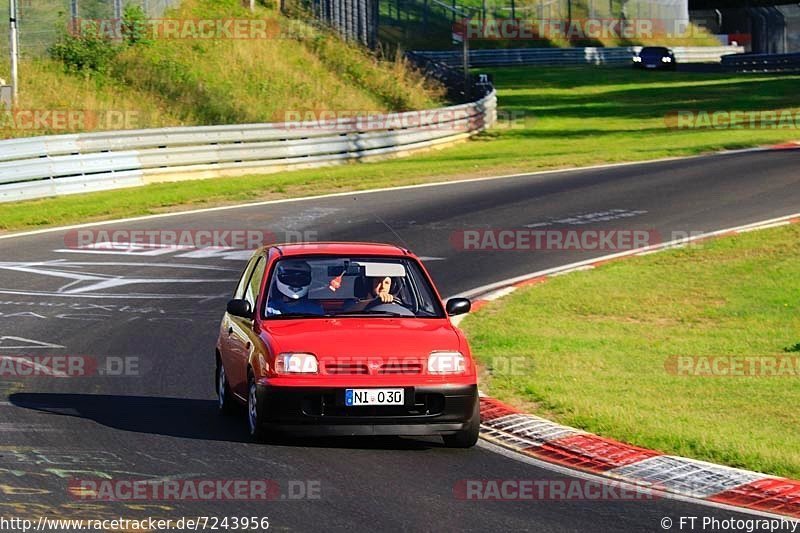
(162, 422)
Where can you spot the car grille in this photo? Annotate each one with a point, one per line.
(351, 369)
(401, 368)
(348, 369)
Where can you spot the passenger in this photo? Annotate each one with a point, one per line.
(292, 281)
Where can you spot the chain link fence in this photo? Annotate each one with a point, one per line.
(428, 24)
(40, 22)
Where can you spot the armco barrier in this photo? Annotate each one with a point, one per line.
(762, 62)
(573, 56)
(66, 164)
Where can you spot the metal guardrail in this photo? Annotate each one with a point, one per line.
(572, 56)
(763, 62)
(66, 164)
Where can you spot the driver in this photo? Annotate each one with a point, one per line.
(292, 281)
(380, 293)
(381, 288)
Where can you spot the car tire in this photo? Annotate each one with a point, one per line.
(224, 397)
(468, 437)
(255, 406)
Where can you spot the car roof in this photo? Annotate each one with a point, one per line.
(339, 248)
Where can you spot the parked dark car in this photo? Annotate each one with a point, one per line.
(654, 57)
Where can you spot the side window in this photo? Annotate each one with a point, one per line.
(424, 294)
(239, 294)
(251, 293)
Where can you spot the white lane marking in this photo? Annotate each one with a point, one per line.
(499, 293)
(190, 252)
(379, 190)
(99, 281)
(483, 289)
(8, 342)
(591, 218)
(776, 225)
(552, 467)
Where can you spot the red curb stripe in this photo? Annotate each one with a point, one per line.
(771, 494)
(785, 146)
(590, 452)
(492, 409)
(478, 304)
(607, 261)
(532, 281)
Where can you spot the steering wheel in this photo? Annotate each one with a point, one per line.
(391, 307)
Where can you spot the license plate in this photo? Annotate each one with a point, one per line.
(354, 397)
(651, 66)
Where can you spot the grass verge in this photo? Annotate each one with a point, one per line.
(550, 118)
(162, 81)
(596, 350)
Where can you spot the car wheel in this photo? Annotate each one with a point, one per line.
(224, 398)
(254, 408)
(466, 438)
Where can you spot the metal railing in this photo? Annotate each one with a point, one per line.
(763, 62)
(573, 56)
(66, 164)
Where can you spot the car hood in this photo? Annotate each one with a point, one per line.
(404, 338)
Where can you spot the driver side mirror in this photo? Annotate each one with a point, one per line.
(240, 308)
(457, 306)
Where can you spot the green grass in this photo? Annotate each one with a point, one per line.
(571, 117)
(590, 349)
(189, 82)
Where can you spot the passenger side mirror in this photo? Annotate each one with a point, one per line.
(240, 308)
(458, 306)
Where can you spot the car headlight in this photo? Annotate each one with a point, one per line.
(666, 60)
(296, 363)
(447, 363)
(637, 59)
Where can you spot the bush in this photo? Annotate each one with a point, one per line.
(135, 26)
(84, 51)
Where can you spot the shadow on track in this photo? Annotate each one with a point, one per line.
(188, 419)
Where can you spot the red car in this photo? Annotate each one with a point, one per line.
(346, 339)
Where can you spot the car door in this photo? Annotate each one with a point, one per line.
(229, 342)
(241, 336)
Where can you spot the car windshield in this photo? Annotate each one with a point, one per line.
(349, 287)
(654, 50)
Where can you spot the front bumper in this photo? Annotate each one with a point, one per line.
(428, 410)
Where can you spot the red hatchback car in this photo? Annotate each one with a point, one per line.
(346, 339)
